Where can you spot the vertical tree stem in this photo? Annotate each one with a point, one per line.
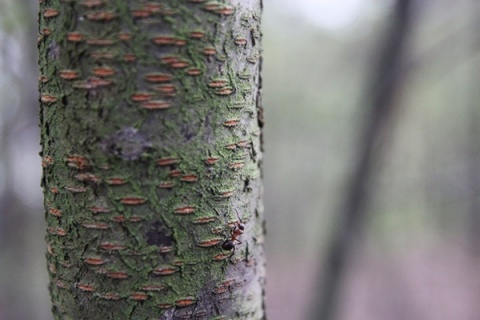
(385, 83)
(152, 155)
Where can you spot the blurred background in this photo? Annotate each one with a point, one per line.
(416, 250)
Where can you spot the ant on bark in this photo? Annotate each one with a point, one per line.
(235, 232)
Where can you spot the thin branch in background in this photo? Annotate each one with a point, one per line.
(385, 82)
(473, 132)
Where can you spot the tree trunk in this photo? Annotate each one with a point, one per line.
(151, 119)
(385, 85)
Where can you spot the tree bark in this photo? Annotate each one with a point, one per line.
(151, 145)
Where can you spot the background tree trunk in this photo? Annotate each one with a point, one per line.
(385, 84)
(150, 120)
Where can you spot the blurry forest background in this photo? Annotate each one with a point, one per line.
(419, 257)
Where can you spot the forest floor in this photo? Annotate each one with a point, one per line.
(423, 283)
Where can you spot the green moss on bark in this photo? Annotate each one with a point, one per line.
(151, 154)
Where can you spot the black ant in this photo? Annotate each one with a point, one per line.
(236, 231)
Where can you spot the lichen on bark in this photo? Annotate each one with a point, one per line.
(151, 145)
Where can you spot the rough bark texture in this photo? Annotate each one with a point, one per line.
(151, 119)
